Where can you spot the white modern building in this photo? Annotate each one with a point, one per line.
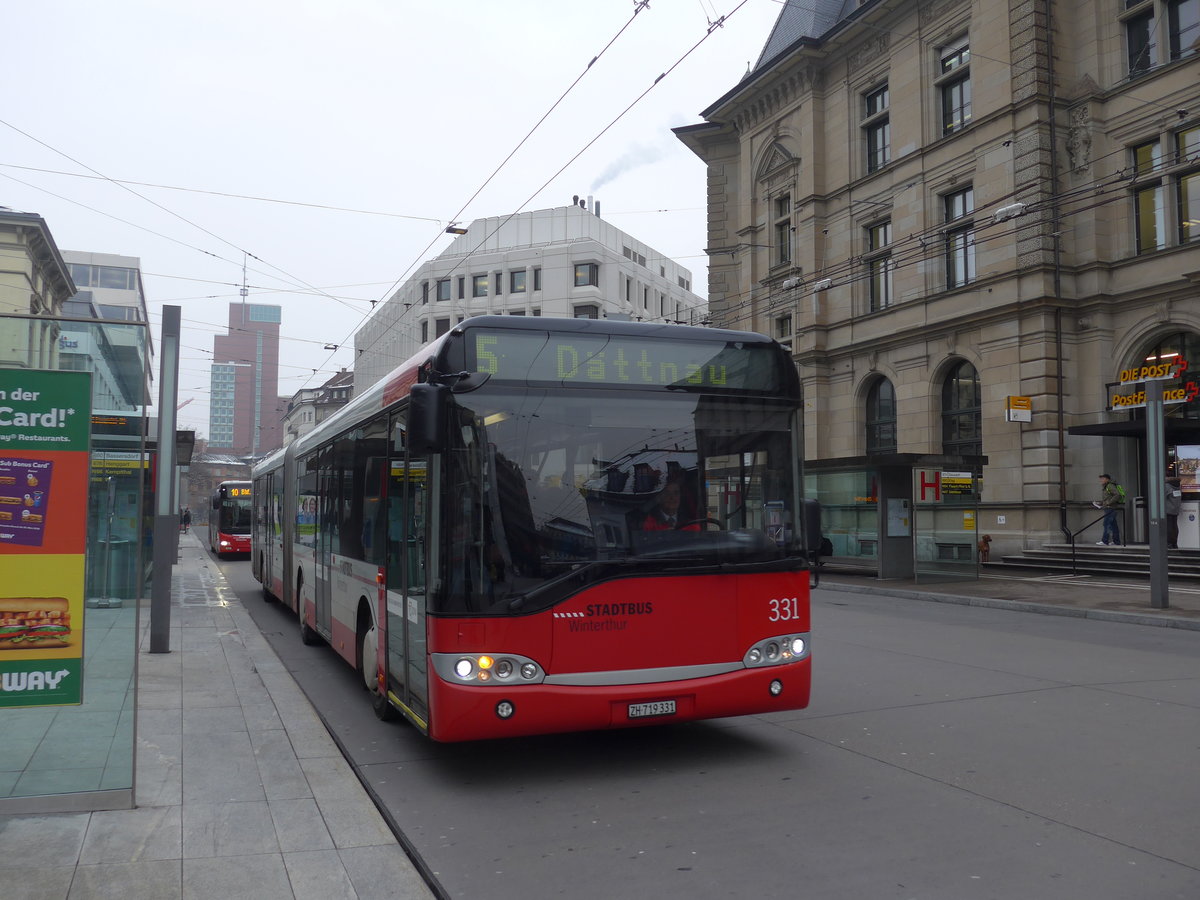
(110, 289)
(562, 262)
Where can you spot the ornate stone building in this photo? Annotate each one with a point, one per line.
(942, 205)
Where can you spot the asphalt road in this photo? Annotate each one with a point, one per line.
(949, 752)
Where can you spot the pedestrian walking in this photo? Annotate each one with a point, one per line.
(187, 520)
(1171, 506)
(1112, 501)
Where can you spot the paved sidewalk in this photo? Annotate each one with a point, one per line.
(240, 790)
(1093, 596)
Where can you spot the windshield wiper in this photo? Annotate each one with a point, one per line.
(580, 572)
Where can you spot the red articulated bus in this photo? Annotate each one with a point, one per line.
(229, 518)
(539, 525)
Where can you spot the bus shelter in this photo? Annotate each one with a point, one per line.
(73, 494)
(900, 515)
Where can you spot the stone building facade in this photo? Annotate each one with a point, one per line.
(34, 282)
(941, 205)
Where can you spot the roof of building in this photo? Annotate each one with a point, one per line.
(43, 246)
(802, 19)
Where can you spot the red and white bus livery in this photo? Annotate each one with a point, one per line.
(229, 518)
(540, 525)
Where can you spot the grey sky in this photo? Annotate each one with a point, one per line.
(384, 115)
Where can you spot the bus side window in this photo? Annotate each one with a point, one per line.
(363, 512)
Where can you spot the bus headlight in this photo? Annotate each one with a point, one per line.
(487, 668)
(777, 651)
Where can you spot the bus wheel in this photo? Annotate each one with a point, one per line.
(307, 635)
(262, 576)
(384, 711)
(368, 668)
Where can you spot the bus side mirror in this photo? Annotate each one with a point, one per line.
(812, 524)
(216, 502)
(427, 411)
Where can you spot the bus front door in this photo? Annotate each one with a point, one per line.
(408, 518)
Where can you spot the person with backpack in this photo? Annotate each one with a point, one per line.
(1172, 503)
(1112, 501)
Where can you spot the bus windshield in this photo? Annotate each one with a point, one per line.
(555, 490)
(233, 515)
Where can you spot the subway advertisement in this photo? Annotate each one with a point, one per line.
(44, 430)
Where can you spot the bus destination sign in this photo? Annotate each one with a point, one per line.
(586, 360)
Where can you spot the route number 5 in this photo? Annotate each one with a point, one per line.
(486, 360)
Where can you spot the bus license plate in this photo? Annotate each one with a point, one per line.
(657, 708)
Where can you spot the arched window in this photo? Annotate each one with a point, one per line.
(1164, 349)
(881, 417)
(962, 416)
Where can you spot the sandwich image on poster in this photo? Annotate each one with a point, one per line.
(34, 623)
(24, 498)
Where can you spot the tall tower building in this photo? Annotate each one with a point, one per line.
(243, 418)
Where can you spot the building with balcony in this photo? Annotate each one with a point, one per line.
(943, 205)
(562, 262)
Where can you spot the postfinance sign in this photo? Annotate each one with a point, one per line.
(1166, 370)
(1184, 393)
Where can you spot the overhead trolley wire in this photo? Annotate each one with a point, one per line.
(712, 27)
(167, 210)
(639, 6)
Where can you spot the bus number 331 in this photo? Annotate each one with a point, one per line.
(784, 609)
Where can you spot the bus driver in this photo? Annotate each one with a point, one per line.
(666, 513)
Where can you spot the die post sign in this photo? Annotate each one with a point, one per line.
(44, 432)
(1126, 394)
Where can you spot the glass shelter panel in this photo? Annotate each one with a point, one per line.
(81, 757)
(945, 516)
(849, 511)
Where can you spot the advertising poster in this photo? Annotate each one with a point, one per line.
(44, 432)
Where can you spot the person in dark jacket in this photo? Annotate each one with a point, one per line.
(666, 513)
(1171, 506)
(1112, 502)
